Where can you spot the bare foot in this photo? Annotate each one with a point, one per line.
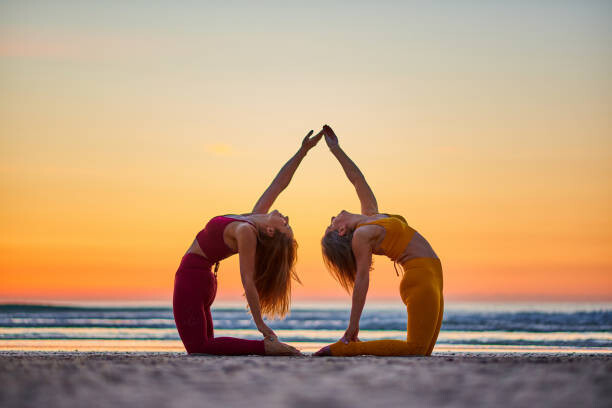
(325, 351)
(276, 348)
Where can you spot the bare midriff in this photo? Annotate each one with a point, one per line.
(195, 249)
(418, 247)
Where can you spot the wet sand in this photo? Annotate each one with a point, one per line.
(61, 379)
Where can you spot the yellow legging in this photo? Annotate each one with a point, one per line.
(421, 292)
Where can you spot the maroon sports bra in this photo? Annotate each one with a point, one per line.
(210, 239)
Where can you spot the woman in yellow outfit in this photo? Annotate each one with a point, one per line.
(348, 245)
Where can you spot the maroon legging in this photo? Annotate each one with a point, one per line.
(195, 288)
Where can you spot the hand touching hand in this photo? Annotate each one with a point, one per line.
(311, 141)
(330, 137)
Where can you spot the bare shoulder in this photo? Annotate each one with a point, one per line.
(366, 235)
(368, 231)
(244, 230)
(245, 236)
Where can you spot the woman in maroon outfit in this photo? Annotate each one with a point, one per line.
(267, 251)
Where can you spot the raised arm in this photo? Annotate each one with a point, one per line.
(282, 179)
(369, 206)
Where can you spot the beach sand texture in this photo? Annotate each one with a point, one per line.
(176, 380)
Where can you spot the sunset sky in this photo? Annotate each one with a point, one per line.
(124, 128)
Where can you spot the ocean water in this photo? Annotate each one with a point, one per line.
(467, 327)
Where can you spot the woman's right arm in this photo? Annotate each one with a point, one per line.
(369, 206)
(362, 248)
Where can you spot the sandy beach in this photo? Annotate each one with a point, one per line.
(174, 379)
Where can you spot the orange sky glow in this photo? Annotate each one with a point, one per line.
(124, 129)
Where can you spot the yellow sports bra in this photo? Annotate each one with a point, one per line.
(397, 234)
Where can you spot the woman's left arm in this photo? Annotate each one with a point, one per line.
(247, 242)
(282, 179)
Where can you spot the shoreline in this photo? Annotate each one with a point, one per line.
(102, 379)
(175, 346)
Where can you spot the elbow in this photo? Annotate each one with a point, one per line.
(356, 179)
(283, 185)
(360, 290)
(362, 282)
(247, 281)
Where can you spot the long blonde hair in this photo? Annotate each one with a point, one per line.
(275, 258)
(339, 257)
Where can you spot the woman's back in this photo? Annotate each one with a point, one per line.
(401, 242)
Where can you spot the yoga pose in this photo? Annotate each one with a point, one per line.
(348, 245)
(267, 251)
